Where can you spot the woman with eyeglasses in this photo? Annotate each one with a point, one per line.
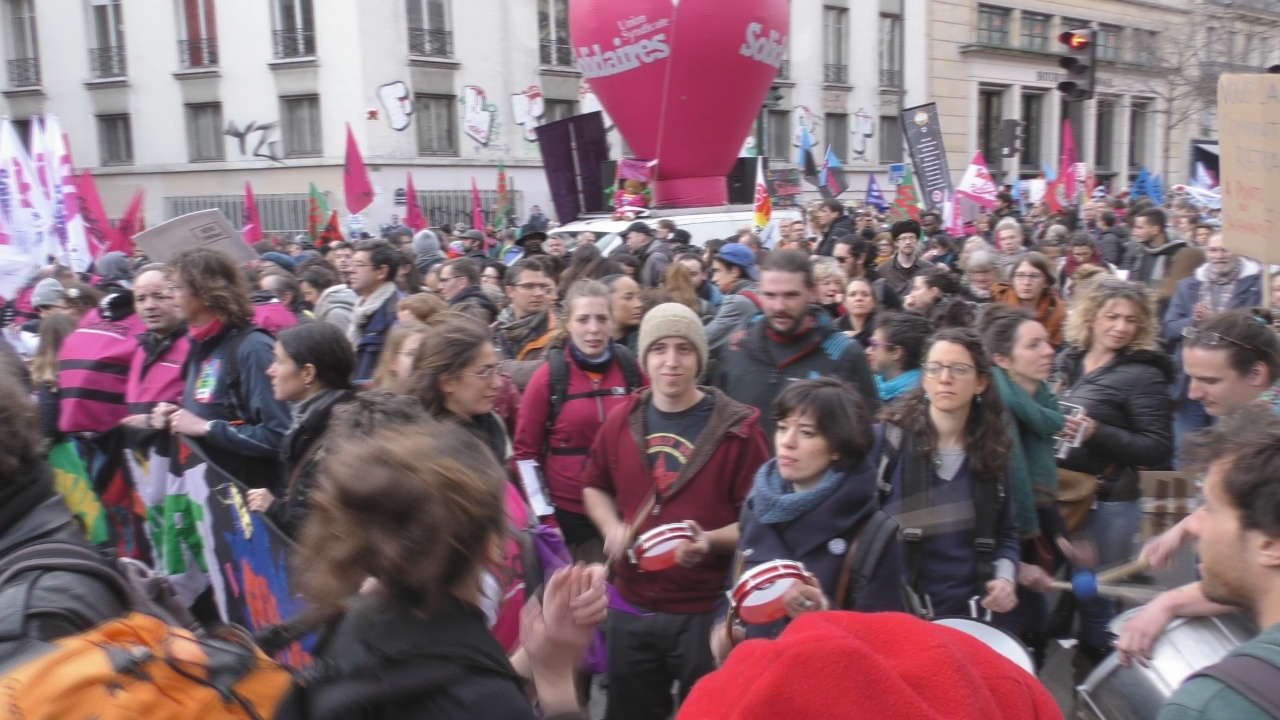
(1113, 370)
(948, 467)
(894, 353)
(1031, 288)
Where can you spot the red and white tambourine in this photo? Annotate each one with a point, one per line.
(756, 599)
(656, 549)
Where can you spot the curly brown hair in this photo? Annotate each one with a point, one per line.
(417, 509)
(213, 277)
(22, 443)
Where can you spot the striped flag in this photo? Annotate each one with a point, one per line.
(764, 206)
(832, 182)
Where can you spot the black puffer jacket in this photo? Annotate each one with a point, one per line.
(300, 456)
(840, 227)
(1129, 400)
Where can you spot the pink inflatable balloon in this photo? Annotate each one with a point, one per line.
(683, 81)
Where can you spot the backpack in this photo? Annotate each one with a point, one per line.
(141, 667)
(1254, 678)
(559, 383)
(865, 552)
(136, 586)
(231, 368)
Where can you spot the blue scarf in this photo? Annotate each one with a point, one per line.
(890, 389)
(774, 501)
(600, 364)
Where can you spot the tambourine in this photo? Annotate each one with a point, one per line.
(656, 550)
(756, 599)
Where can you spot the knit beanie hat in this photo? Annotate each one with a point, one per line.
(903, 227)
(48, 292)
(672, 320)
(868, 666)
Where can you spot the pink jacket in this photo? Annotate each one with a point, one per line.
(94, 372)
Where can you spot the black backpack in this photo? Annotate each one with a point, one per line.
(559, 368)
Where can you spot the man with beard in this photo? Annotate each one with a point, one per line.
(790, 341)
(1238, 528)
(906, 263)
(155, 374)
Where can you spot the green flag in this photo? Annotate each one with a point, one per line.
(317, 214)
(71, 479)
(906, 204)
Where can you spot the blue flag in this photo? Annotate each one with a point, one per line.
(808, 168)
(875, 198)
(1155, 189)
(832, 182)
(1141, 185)
(1020, 196)
(1049, 173)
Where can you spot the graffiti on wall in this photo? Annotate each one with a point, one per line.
(397, 103)
(528, 108)
(863, 127)
(805, 119)
(479, 116)
(257, 139)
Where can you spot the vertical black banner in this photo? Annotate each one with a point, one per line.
(924, 140)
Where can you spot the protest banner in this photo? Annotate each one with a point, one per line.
(206, 228)
(928, 154)
(1248, 106)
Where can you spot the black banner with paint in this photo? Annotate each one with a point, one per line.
(928, 154)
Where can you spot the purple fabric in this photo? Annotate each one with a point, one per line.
(553, 554)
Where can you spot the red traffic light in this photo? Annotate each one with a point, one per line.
(1075, 40)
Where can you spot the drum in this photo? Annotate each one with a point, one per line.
(1115, 692)
(656, 549)
(757, 596)
(1003, 642)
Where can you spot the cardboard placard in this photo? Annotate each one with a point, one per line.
(206, 228)
(1249, 132)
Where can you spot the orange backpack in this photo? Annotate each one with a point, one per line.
(140, 667)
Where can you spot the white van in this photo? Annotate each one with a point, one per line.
(702, 224)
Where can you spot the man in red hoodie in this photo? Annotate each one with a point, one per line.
(675, 453)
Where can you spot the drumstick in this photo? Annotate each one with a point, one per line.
(1136, 594)
(1124, 571)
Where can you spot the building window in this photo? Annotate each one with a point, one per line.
(990, 115)
(295, 29)
(429, 34)
(1140, 128)
(436, 127)
(834, 44)
(1105, 135)
(558, 110)
(993, 26)
(1109, 43)
(198, 47)
(1032, 129)
(1075, 24)
(114, 140)
(301, 127)
(106, 57)
(1035, 31)
(553, 33)
(24, 52)
(204, 132)
(1144, 47)
(890, 51)
(890, 140)
(838, 135)
(780, 135)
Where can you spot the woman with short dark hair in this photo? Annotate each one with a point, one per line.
(1031, 287)
(312, 372)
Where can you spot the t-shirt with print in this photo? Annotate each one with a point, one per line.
(670, 439)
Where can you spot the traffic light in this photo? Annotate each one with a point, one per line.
(1080, 63)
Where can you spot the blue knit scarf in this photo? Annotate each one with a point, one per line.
(890, 389)
(773, 500)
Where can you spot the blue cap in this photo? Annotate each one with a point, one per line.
(284, 261)
(740, 255)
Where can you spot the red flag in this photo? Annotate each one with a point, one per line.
(477, 208)
(1055, 196)
(95, 216)
(355, 177)
(1068, 170)
(131, 224)
(413, 213)
(250, 223)
(332, 231)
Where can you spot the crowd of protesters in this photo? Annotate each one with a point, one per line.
(393, 403)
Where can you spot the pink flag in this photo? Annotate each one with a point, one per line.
(128, 226)
(977, 184)
(95, 216)
(1068, 169)
(477, 208)
(250, 224)
(413, 212)
(355, 177)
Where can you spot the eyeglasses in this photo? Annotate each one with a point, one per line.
(447, 279)
(957, 370)
(1028, 276)
(1213, 339)
(486, 372)
(533, 287)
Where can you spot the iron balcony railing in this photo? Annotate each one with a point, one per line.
(198, 53)
(891, 78)
(107, 62)
(295, 43)
(24, 72)
(430, 43)
(838, 74)
(556, 54)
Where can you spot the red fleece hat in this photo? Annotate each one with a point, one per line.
(868, 666)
